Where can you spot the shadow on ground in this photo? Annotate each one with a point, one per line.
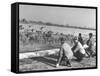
(49, 60)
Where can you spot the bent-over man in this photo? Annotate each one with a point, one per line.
(65, 52)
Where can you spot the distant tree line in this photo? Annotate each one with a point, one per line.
(52, 24)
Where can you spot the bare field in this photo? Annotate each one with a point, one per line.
(49, 62)
(32, 39)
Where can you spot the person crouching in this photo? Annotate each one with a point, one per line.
(65, 52)
(78, 50)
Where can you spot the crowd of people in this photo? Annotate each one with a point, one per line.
(80, 49)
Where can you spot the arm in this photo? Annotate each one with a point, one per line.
(61, 51)
(77, 47)
(60, 55)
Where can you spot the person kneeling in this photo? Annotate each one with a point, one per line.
(78, 50)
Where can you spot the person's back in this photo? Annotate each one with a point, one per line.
(67, 50)
(64, 53)
(80, 48)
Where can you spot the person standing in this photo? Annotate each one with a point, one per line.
(65, 52)
(80, 39)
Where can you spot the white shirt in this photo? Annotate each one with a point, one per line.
(67, 50)
(80, 48)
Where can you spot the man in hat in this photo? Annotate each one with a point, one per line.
(78, 49)
(65, 52)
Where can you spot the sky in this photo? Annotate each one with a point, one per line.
(81, 17)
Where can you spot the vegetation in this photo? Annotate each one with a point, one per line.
(52, 24)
